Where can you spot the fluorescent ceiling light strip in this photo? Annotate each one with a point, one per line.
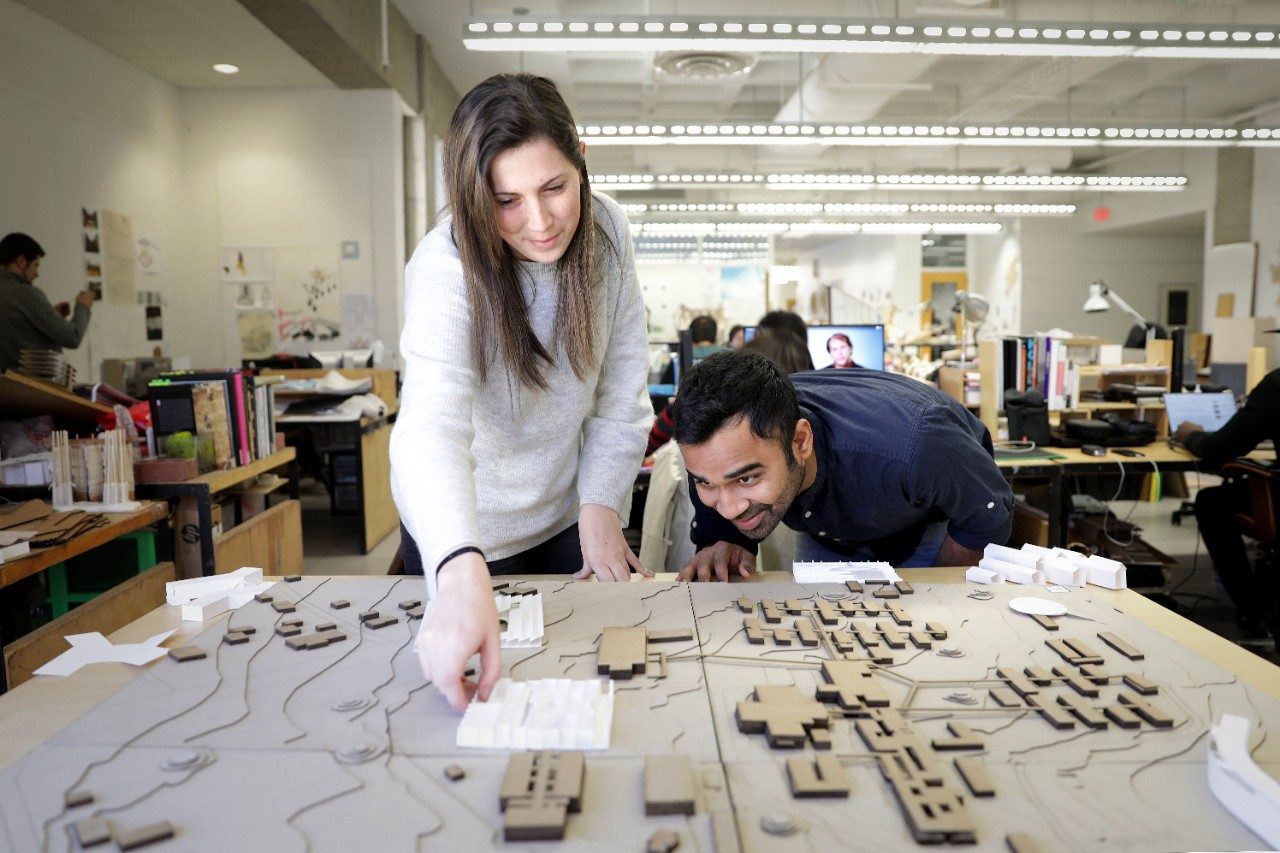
(925, 182)
(669, 229)
(843, 35)
(920, 134)
(867, 209)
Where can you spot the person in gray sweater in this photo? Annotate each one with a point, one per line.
(27, 319)
(523, 414)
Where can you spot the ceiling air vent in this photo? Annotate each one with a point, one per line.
(704, 64)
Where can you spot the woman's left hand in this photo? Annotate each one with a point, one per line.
(604, 550)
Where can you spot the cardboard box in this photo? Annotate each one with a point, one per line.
(164, 469)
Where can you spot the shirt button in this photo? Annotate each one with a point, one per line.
(695, 524)
(807, 514)
(822, 533)
(991, 504)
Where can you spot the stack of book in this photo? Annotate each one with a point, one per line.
(234, 408)
(47, 364)
(1039, 363)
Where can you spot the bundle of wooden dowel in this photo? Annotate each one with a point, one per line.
(62, 492)
(117, 468)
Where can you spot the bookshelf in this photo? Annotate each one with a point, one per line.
(24, 397)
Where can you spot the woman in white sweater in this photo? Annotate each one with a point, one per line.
(523, 415)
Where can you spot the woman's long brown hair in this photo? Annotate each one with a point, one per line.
(504, 112)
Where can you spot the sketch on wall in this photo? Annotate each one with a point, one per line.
(308, 300)
(117, 257)
(257, 334)
(238, 264)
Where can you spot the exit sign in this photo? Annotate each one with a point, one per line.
(1101, 214)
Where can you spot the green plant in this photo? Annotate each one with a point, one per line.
(180, 445)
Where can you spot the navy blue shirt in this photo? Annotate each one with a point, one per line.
(893, 455)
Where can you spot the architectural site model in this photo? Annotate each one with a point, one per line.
(663, 716)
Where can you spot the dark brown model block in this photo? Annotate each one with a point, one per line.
(410, 604)
(854, 587)
(326, 626)
(1141, 683)
(234, 638)
(782, 713)
(368, 616)
(901, 616)
(962, 737)
(1006, 698)
(623, 652)
(1146, 711)
(381, 622)
(1085, 713)
(772, 615)
(292, 578)
(186, 653)
(1096, 674)
(539, 791)
(755, 635)
(668, 785)
(827, 614)
(1085, 654)
(263, 597)
(746, 605)
(783, 637)
(1076, 681)
(974, 773)
(1038, 676)
(885, 592)
(823, 777)
(339, 604)
(904, 587)
(892, 638)
(1020, 683)
(454, 773)
(1057, 717)
(794, 607)
(850, 685)
(808, 636)
(921, 639)
(1122, 717)
(91, 831)
(1120, 645)
(288, 630)
(132, 839)
(283, 606)
(671, 635)
(934, 815)
(293, 622)
(1045, 622)
(937, 631)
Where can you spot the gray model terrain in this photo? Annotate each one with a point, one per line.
(343, 747)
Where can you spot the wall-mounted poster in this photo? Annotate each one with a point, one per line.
(246, 263)
(308, 300)
(117, 257)
(257, 334)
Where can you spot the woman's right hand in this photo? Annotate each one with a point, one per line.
(462, 620)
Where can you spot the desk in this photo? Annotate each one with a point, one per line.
(118, 524)
(194, 499)
(666, 710)
(369, 439)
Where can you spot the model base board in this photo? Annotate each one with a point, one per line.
(973, 728)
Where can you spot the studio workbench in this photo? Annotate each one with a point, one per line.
(759, 716)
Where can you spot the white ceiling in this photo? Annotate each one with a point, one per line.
(180, 40)
(625, 88)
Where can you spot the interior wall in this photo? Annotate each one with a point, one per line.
(1266, 231)
(295, 167)
(995, 273)
(83, 128)
(675, 292)
(1059, 263)
(882, 270)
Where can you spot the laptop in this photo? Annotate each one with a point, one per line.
(1211, 411)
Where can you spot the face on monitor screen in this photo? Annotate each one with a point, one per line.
(841, 347)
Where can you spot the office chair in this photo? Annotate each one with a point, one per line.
(1259, 522)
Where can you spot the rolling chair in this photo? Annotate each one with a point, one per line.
(1260, 522)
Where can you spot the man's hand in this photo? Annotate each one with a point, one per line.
(605, 552)
(63, 309)
(85, 298)
(1184, 431)
(717, 562)
(952, 553)
(463, 620)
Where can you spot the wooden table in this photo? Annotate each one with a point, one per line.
(119, 523)
(39, 708)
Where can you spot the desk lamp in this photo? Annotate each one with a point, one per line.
(971, 308)
(1102, 298)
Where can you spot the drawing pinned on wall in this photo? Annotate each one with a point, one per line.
(254, 294)
(117, 257)
(148, 257)
(92, 253)
(257, 334)
(154, 323)
(238, 264)
(308, 300)
(358, 321)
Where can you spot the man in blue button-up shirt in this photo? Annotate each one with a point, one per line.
(866, 465)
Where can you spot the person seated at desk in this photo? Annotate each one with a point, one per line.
(1216, 507)
(868, 465)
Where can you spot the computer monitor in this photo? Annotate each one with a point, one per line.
(847, 346)
(748, 334)
(1210, 411)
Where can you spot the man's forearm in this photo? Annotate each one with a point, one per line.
(953, 553)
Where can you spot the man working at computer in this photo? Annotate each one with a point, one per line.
(1216, 507)
(869, 465)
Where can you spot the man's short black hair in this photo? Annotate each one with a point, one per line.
(733, 384)
(733, 330)
(703, 328)
(16, 245)
(789, 321)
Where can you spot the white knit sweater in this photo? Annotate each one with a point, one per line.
(495, 465)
